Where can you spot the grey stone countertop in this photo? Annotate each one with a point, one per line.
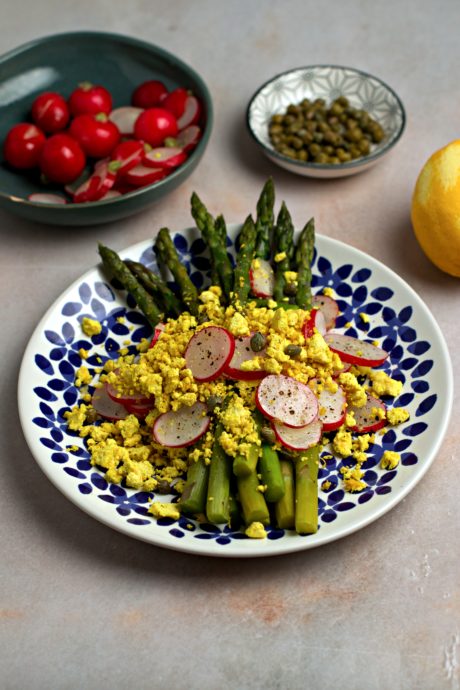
(82, 606)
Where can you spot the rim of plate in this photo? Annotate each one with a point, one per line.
(252, 547)
(272, 152)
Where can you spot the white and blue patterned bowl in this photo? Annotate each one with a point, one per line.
(398, 319)
(329, 82)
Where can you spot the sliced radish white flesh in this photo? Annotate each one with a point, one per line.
(135, 399)
(181, 428)
(189, 137)
(208, 352)
(244, 353)
(86, 190)
(287, 400)
(141, 175)
(191, 113)
(315, 323)
(97, 186)
(106, 407)
(45, 198)
(355, 351)
(159, 328)
(261, 278)
(111, 194)
(125, 118)
(332, 408)
(366, 418)
(300, 438)
(164, 157)
(328, 306)
(139, 410)
(128, 154)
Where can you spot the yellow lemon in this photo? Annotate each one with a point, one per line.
(436, 208)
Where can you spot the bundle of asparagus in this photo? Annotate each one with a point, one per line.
(226, 490)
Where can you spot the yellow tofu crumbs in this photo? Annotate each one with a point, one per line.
(364, 317)
(328, 291)
(390, 460)
(164, 510)
(397, 415)
(83, 353)
(90, 326)
(279, 257)
(256, 530)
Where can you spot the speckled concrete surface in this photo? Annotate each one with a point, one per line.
(82, 606)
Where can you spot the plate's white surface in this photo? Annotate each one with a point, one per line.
(362, 284)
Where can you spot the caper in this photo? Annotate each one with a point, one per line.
(314, 149)
(292, 350)
(302, 155)
(91, 415)
(321, 158)
(258, 342)
(212, 402)
(290, 289)
(163, 487)
(268, 434)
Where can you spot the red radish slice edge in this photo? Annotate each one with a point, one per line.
(286, 400)
(244, 353)
(328, 306)
(181, 428)
(46, 198)
(106, 407)
(365, 421)
(141, 175)
(332, 408)
(208, 352)
(301, 438)
(191, 113)
(188, 138)
(164, 157)
(158, 330)
(315, 323)
(355, 351)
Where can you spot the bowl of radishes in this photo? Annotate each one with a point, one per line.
(96, 127)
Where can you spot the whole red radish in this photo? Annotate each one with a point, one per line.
(90, 99)
(50, 112)
(96, 134)
(154, 125)
(62, 159)
(149, 94)
(175, 102)
(23, 146)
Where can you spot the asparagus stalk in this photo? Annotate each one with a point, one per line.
(303, 259)
(156, 287)
(306, 491)
(217, 247)
(285, 507)
(243, 261)
(193, 498)
(167, 254)
(113, 264)
(244, 465)
(284, 247)
(264, 220)
(218, 498)
(270, 469)
(252, 501)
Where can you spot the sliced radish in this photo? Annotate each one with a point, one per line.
(301, 438)
(315, 323)
(159, 328)
(191, 114)
(244, 353)
(208, 352)
(141, 175)
(188, 138)
(332, 408)
(366, 419)
(261, 278)
(125, 118)
(106, 407)
(164, 157)
(346, 366)
(287, 400)
(138, 409)
(128, 154)
(111, 194)
(355, 351)
(181, 428)
(45, 198)
(134, 399)
(98, 185)
(328, 306)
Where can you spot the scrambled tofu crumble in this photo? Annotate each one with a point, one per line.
(125, 448)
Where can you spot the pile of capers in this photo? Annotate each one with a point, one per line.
(312, 132)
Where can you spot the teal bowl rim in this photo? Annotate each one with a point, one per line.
(167, 56)
(359, 162)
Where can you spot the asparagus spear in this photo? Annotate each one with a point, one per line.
(252, 500)
(284, 245)
(167, 254)
(193, 498)
(243, 261)
(218, 498)
(270, 470)
(221, 229)
(265, 219)
(217, 247)
(156, 287)
(303, 258)
(114, 265)
(243, 465)
(285, 507)
(306, 491)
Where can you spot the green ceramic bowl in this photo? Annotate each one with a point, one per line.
(60, 63)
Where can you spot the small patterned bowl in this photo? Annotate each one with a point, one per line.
(329, 82)
(59, 63)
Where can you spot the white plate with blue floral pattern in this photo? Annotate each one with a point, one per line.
(397, 319)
